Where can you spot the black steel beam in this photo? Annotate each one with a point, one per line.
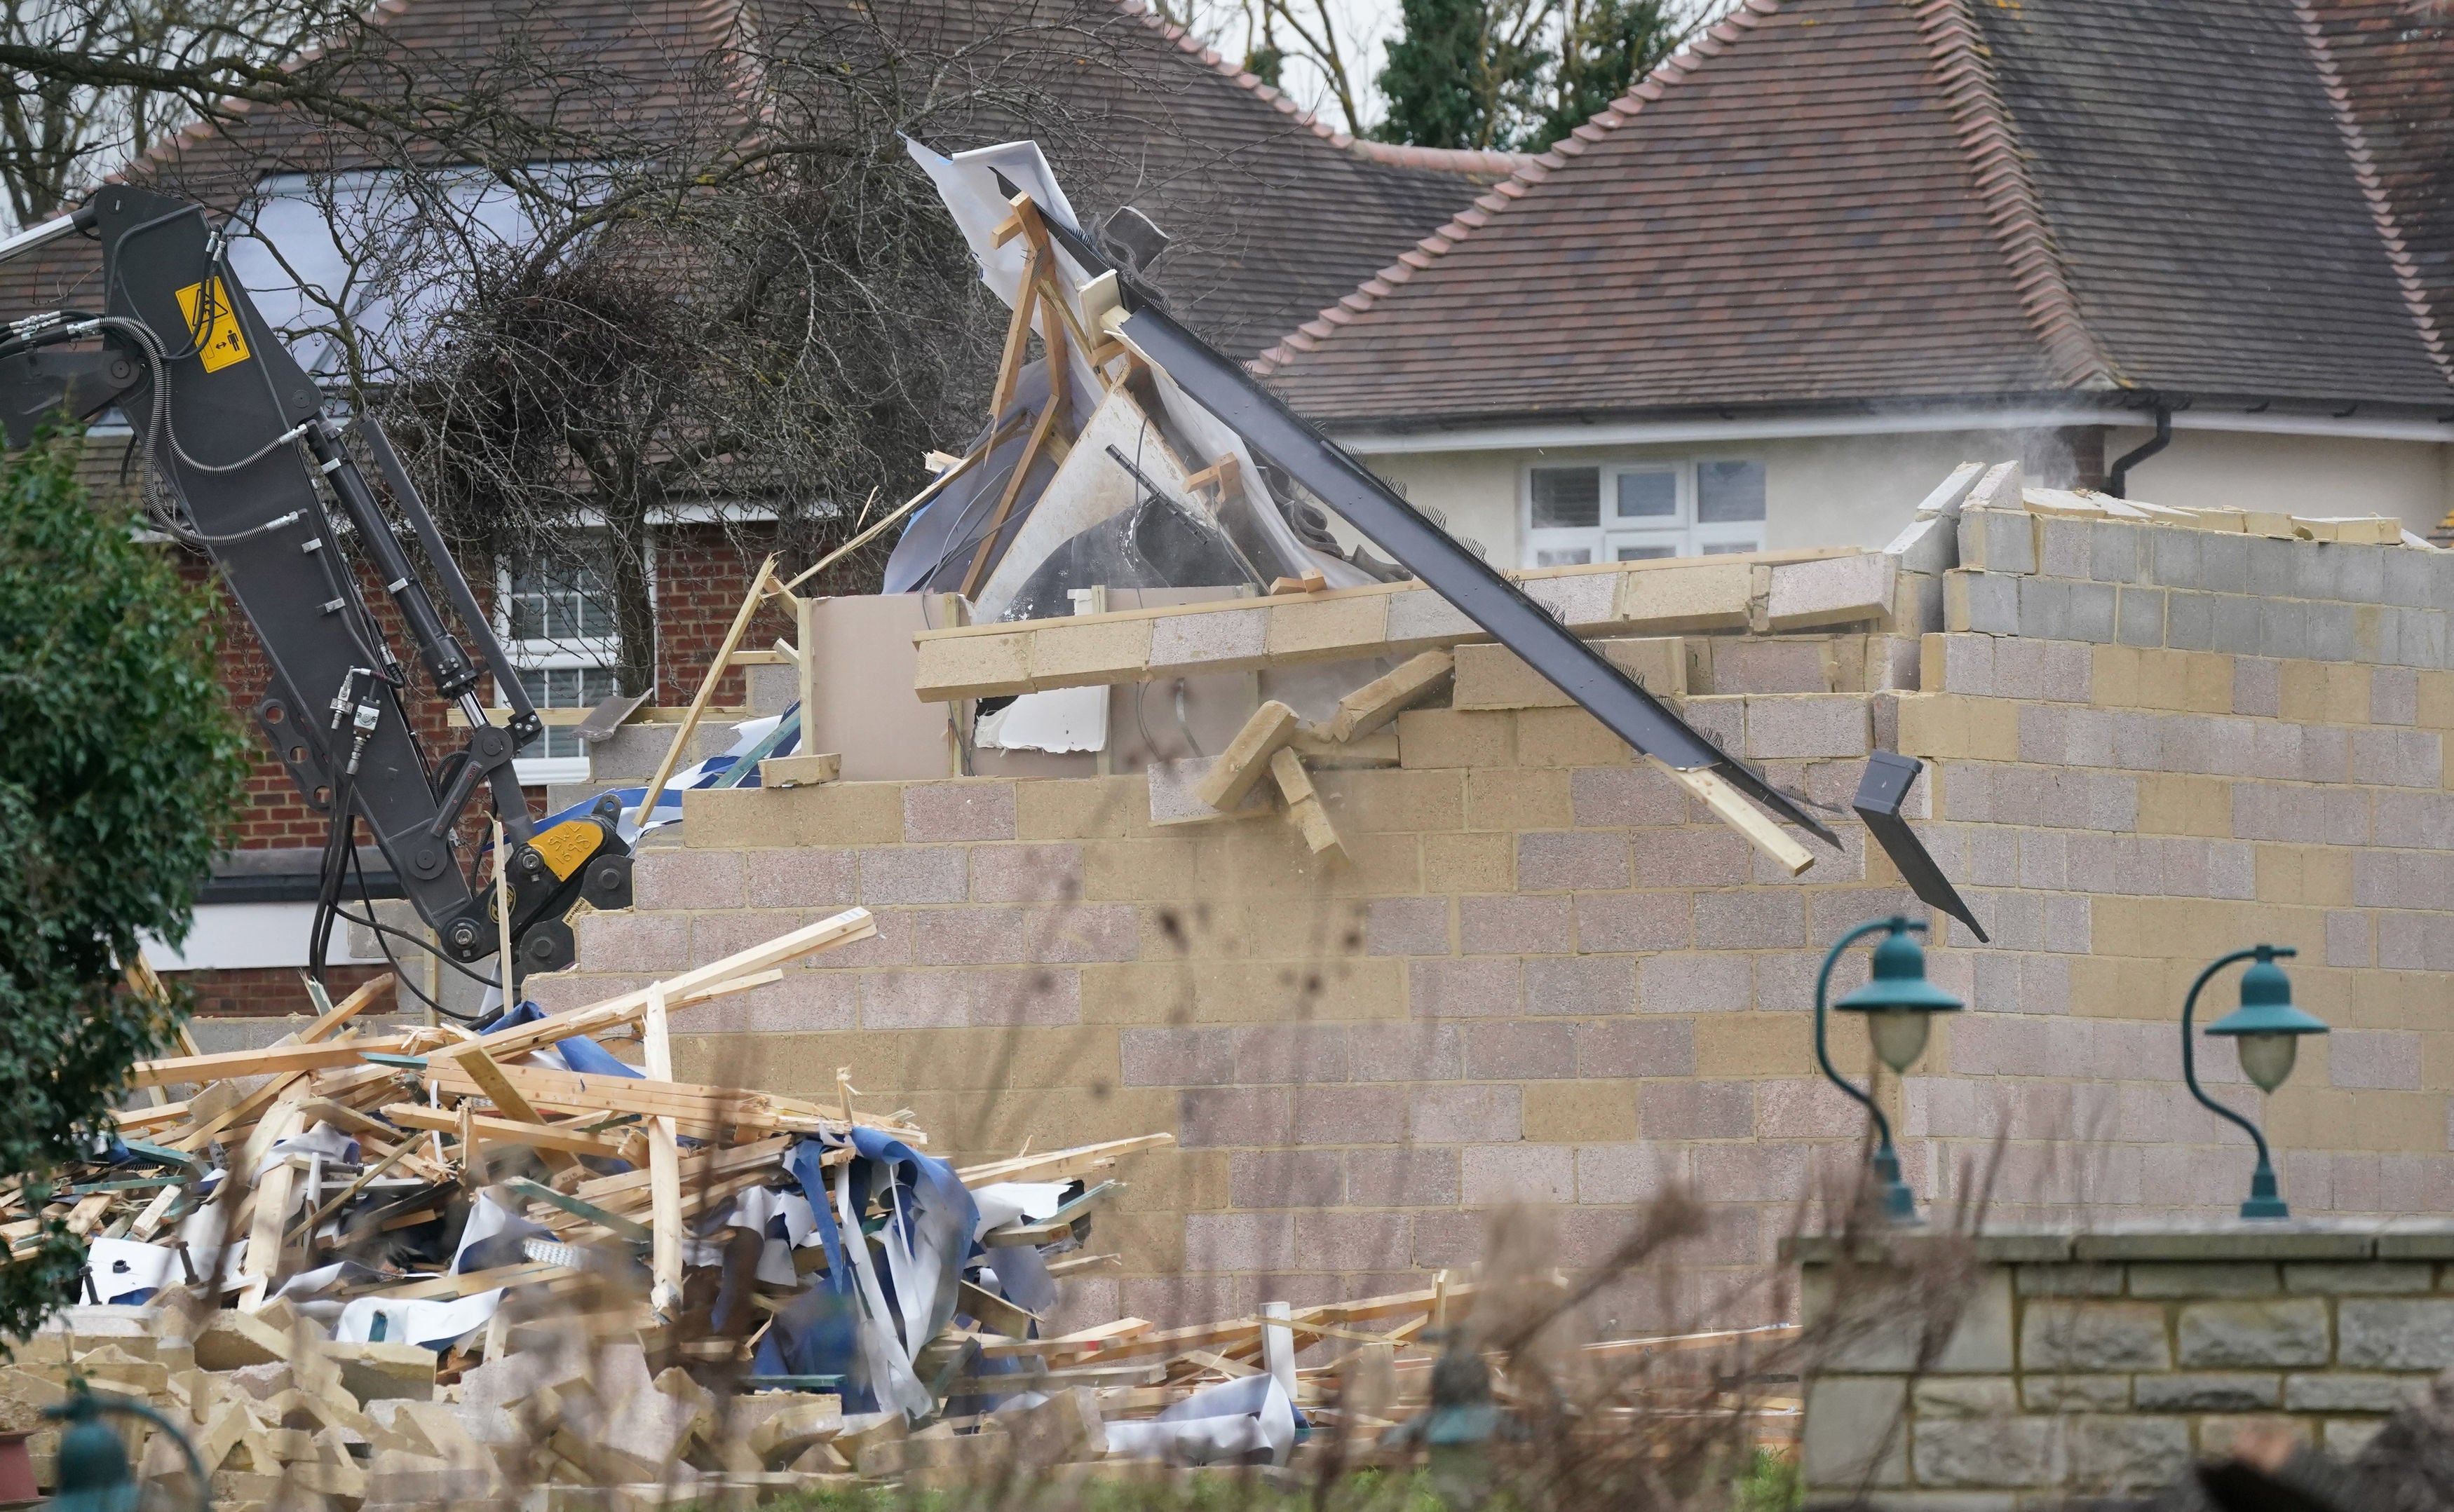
(1482, 594)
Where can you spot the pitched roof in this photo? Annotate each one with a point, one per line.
(1273, 212)
(1865, 201)
(2396, 62)
(1275, 215)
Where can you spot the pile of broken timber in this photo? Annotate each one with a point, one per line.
(289, 1263)
(600, 1408)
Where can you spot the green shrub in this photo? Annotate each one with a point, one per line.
(121, 772)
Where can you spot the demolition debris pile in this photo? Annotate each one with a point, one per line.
(437, 1266)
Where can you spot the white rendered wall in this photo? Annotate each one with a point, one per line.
(1858, 490)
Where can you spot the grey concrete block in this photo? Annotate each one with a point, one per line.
(1998, 539)
(2282, 626)
(2229, 1392)
(1987, 603)
(2317, 570)
(2092, 608)
(2174, 557)
(631, 754)
(2190, 618)
(2093, 1336)
(2128, 1454)
(2140, 616)
(2063, 549)
(2423, 638)
(2003, 1452)
(1855, 1434)
(2044, 609)
(2290, 1331)
(2237, 618)
(2330, 632)
(2396, 1335)
(772, 687)
(1929, 545)
(2359, 575)
(2350, 1391)
(2116, 551)
(2224, 563)
(2378, 630)
(2212, 1279)
(2408, 579)
(2439, 568)
(2274, 566)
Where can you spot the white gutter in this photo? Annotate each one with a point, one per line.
(1903, 422)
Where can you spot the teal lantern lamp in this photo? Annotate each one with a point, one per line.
(93, 1467)
(1900, 1005)
(2267, 1029)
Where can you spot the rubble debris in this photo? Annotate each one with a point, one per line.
(435, 1266)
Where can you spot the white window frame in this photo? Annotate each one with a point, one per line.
(556, 654)
(1681, 531)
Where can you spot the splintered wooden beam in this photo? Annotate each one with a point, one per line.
(703, 1109)
(1013, 485)
(694, 986)
(483, 1070)
(716, 670)
(506, 1131)
(1246, 761)
(1750, 822)
(664, 1168)
(1304, 808)
(350, 1007)
(1057, 1165)
(1017, 336)
(1385, 697)
(273, 1060)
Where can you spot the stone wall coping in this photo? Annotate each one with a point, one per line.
(2206, 1239)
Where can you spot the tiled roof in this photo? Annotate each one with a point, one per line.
(1862, 202)
(2207, 200)
(1275, 213)
(2395, 59)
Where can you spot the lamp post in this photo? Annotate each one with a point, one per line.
(92, 1467)
(2267, 1029)
(1900, 1005)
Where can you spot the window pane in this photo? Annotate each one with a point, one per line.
(1729, 490)
(1731, 549)
(1645, 494)
(1567, 499)
(528, 617)
(1577, 557)
(1644, 553)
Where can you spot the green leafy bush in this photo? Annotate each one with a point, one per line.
(121, 774)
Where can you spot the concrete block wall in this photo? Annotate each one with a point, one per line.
(1546, 976)
(2106, 1363)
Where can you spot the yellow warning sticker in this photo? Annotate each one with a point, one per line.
(213, 326)
(566, 846)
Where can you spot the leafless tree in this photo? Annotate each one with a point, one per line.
(82, 95)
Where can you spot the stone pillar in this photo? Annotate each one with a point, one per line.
(2104, 1362)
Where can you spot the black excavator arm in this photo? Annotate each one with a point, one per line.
(260, 478)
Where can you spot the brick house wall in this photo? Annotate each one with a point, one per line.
(701, 576)
(1547, 977)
